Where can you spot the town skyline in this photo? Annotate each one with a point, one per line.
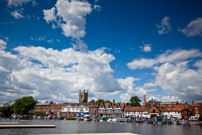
(52, 49)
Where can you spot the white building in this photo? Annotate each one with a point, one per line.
(136, 111)
(75, 108)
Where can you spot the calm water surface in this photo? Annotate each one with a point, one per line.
(70, 127)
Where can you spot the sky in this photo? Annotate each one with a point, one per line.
(51, 49)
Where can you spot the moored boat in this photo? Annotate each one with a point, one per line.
(87, 118)
(103, 119)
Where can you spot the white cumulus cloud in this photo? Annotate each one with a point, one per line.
(194, 28)
(173, 73)
(147, 48)
(49, 74)
(165, 26)
(168, 56)
(180, 81)
(2, 44)
(70, 15)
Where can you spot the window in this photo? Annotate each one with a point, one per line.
(180, 108)
(196, 108)
(86, 109)
(173, 108)
(156, 111)
(185, 112)
(151, 111)
(196, 111)
(168, 108)
(185, 116)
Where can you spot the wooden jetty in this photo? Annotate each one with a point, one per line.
(27, 126)
(9, 123)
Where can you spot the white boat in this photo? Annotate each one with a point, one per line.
(109, 120)
(114, 120)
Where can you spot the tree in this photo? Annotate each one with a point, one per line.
(39, 112)
(99, 100)
(128, 104)
(24, 105)
(7, 109)
(92, 101)
(107, 101)
(135, 101)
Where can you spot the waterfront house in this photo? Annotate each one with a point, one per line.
(110, 109)
(174, 111)
(135, 111)
(197, 109)
(183, 111)
(43, 106)
(72, 109)
(93, 110)
(55, 109)
(50, 107)
(154, 110)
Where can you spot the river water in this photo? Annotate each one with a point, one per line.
(79, 127)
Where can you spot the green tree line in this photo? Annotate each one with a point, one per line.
(134, 101)
(20, 106)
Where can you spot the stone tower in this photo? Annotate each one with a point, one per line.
(83, 96)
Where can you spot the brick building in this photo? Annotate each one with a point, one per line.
(197, 109)
(50, 107)
(93, 110)
(43, 106)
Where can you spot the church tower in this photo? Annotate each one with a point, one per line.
(83, 96)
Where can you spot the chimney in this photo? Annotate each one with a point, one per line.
(152, 99)
(144, 104)
(192, 102)
(113, 101)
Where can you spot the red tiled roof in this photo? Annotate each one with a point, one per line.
(156, 106)
(106, 105)
(58, 105)
(121, 105)
(174, 108)
(93, 106)
(136, 109)
(197, 104)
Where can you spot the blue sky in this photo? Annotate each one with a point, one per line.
(114, 49)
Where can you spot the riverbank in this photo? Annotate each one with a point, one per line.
(97, 134)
